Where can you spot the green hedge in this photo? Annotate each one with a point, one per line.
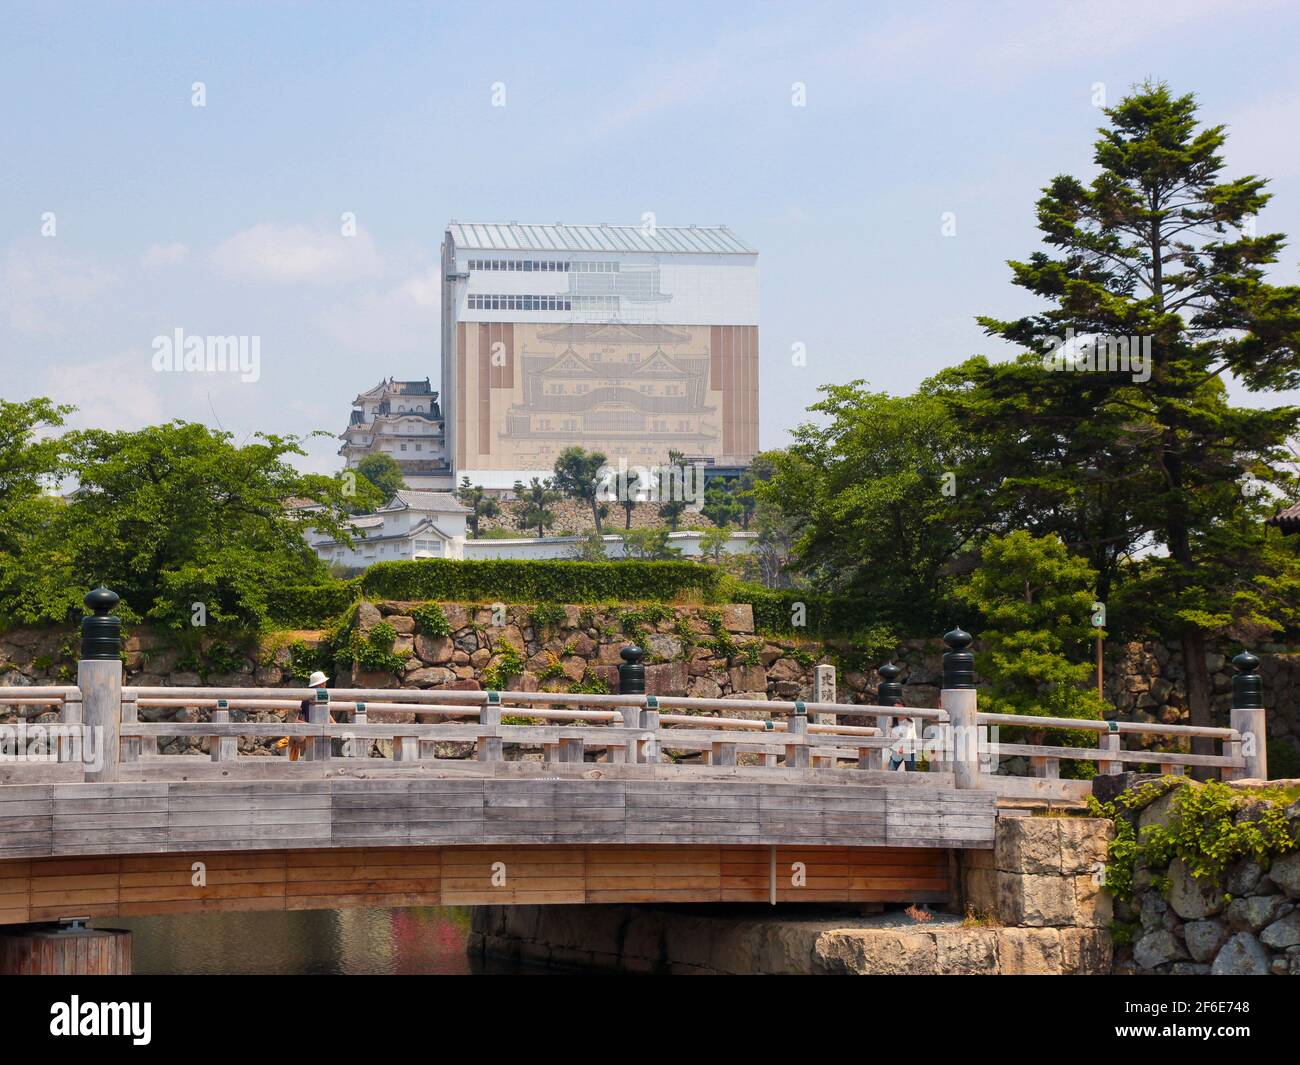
(553, 581)
(308, 606)
(510, 580)
(823, 615)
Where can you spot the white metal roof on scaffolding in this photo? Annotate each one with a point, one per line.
(674, 240)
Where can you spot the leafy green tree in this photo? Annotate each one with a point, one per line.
(589, 547)
(1160, 245)
(34, 564)
(720, 504)
(535, 502)
(864, 492)
(177, 514)
(384, 473)
(1035, 602)
(480, 504)
(579, 475)
(713, 543)
(672, 508)
(649, 543)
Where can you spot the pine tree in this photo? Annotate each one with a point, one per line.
(1159, 247)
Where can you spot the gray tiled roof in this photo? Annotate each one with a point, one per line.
(438, 502)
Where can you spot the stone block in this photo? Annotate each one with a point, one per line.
(1254, 912)
(738, 617)
(876, 952)
(1285, 873)
(1204, 938)
(1035, 901)
(1093, 906)
(1029, 952)
(1159, 947)
(1084, 843)
(747, 678)
(1030, 845)
(1283, 934)
(1190, 898)
(967, 952)
(1086, 951)
(667, 678)
(1242, 955)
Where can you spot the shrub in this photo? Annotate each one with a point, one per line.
(310, 606)
(546, 615)
(506, 666)
(430, 620)
(510, 580)
(1208, 829)
(373, 652)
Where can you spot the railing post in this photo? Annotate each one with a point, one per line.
(222, 748)
(650, 725)
(489, 747)
(958, 699)
(99, 676)
(70, 749)
(797, 756)
(1248, 717)
(1110, 743)
(131, 746)
(319, 748)
(357, 746)
(631, 681)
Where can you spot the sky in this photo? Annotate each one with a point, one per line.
(128, 213)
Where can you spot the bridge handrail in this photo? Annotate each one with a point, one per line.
(1046, 758)
(145, 694)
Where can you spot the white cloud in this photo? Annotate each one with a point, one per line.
(113, 392)
(159, 255)
(424, 290)
(295, 254)
(40, 288)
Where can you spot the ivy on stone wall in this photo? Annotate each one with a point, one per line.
(1207, 826)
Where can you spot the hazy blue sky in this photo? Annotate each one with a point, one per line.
(225, 219)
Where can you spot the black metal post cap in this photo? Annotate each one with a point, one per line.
(101, 600)
(631, 674)
(889, 692)
(1245, 662)
(1247, 685)
(101, 634)
(958, 663)
(958, 639)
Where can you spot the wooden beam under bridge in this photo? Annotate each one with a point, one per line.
(48, 889)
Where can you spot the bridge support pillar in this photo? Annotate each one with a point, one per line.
(99, 676)
(64, 950)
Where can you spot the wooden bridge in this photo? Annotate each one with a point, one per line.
(635, 798)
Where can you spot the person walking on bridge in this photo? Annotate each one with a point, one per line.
(297, 744)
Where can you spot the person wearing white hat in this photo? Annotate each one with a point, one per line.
(297, 744)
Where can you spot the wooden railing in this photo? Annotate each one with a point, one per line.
(847, 741)
(627, 729)
(1109, 752)
(32, 751)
